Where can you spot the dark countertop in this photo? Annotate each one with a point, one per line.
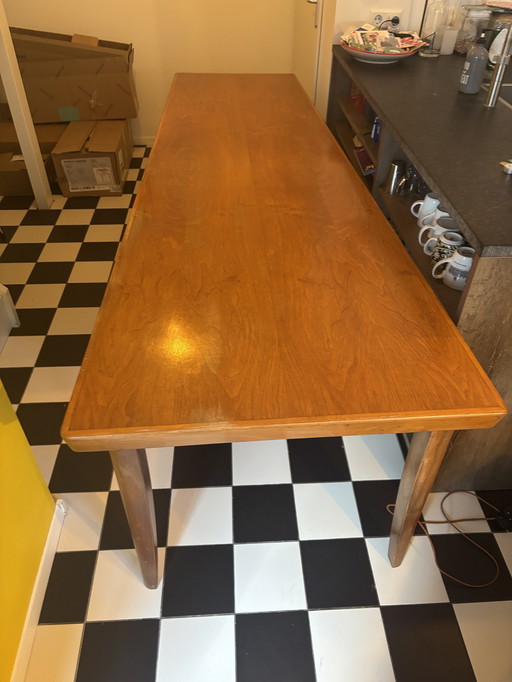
(453, 140)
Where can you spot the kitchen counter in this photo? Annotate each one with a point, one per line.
(454, 141)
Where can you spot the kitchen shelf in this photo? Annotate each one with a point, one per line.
(407, 229)
(361, 126)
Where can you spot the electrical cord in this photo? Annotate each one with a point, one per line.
(452, 522)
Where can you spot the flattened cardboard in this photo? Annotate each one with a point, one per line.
(92, 158)
(67, 78)
(14, 179)
(48, 134)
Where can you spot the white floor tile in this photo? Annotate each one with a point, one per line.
(350, 644)
(138, 152)
(416, 581)
(268, 577)
(373, 457)
(58, 202)
(326, 510)
(200, 649)
(31, 234)
(40, 296)
(118, 592)
(90, 271)
(12, 217)
(82, 525)
(486, 628)
(115, 202)
(75, 216)
(50, 384)
(73, 321)
(457, 506)
(45, 456)
(133, 174)
(55, 653)
(59, 251)
(103, 233)
(21, 351)
(160, 462)
(15, 273)
(504, 541)
(201, 516)
(261, 462)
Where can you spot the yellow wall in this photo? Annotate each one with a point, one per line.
(26, 510)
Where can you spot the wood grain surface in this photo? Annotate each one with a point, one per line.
(260, 293)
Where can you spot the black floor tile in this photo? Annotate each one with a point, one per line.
(264, 513)
(119, 651)
(274, 647)
(109, 216)
(68, 233)
(198, 580)
(15, 291)
(338, 574)
(426, 644)
(147, 151)
(202, 465)
(15, 380)
(69, 585)
(41, 217)
(136, 162)
(464, 561)
(82, 202)
(129, 186)
(80, 472)
(66, 350)
(50, 273)
(502, 500)
(318, 460)
(33, 321)
(41, 422)
(21, 253)
(82, 295)
(372, 498)
(16, 203)
(97, 251)
(8, 232)
(116, 532)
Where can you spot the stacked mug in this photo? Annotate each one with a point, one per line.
(451, 258)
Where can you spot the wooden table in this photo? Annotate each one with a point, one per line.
(259, 293)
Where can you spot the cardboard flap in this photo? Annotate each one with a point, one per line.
(105, 136)
(84, 40)
(74, 137)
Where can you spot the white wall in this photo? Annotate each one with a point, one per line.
(356, 12)
(171, 36)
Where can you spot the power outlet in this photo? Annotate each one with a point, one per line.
(377, 15)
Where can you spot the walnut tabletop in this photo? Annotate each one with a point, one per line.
(259, 292)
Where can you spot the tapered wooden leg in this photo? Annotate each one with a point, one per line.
(132, 473)
(426, 454)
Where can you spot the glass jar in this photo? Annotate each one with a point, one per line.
(475, 19)
(432, 28)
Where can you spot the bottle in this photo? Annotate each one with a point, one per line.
(474, 67)
(433, 27)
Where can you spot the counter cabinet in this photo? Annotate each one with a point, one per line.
(477, 459)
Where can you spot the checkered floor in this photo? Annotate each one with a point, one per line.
(273, 553)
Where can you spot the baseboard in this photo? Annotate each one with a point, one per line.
(36, 600)
(146, 141)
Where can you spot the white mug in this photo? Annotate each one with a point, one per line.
(441, 247)
(432, 218)
(445, 224)
(424, 207)
(455, 269)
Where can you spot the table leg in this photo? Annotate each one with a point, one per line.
(425, 456)
(132, 473)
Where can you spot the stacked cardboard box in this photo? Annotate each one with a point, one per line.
(88, 83)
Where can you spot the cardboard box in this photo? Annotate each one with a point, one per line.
(48, 134)
(14, 178)
(75, 78)
(92, 158)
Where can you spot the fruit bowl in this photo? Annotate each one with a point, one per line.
(371, 57)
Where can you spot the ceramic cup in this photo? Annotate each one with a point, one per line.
(427, 232)
(432, 218)
(441, 247)
(423, 207)
(454, 270)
